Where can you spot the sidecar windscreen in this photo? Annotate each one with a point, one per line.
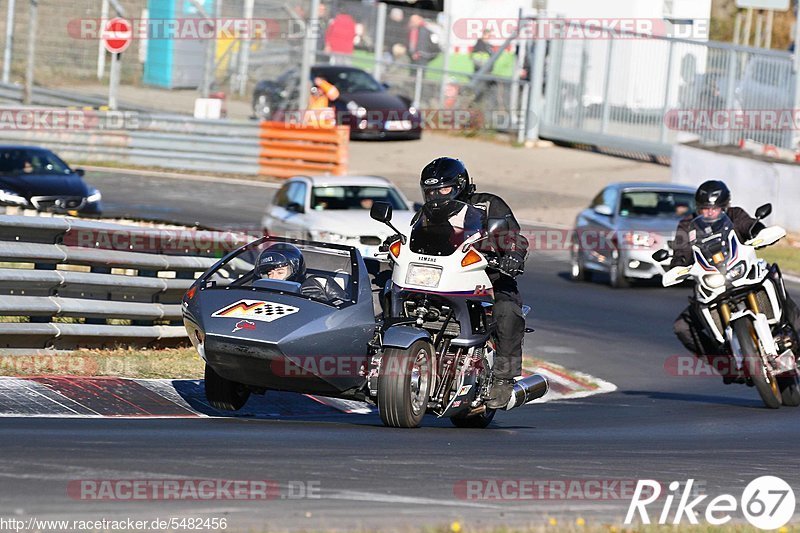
(326, 273)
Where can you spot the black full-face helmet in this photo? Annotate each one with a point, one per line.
(279, 255)
(444, 180)
(713, 193)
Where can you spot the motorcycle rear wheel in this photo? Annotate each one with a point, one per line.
(790, 390)
(766, 385)
(476, 421)
(404, 385)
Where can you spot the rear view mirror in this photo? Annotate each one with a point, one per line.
(498, 225)
(661, 255)
(603, 210)
(764, 211)
(80, 172)
(381, 211)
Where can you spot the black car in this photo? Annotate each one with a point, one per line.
(364, 104)
(36, 178)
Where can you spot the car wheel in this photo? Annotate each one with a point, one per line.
(617, 275)
(578, 271)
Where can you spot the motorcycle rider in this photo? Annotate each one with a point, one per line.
(445, 180)
(712, 199)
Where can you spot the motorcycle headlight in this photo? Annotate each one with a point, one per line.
(736, 272)
(94, 197)
(714, 280)
(356, 109)
(8, 197)
(424, 276)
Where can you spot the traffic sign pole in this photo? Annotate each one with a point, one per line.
(113, 84)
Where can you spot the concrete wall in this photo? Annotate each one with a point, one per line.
(753, 181)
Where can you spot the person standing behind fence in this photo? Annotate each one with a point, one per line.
(421, 46)
(320, 113)
(340, 38)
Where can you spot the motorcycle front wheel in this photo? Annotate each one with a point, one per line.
(766, 384)
(404, 384)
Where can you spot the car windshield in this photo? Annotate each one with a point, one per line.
(351, 81)
(21, 161)
(656, 204)
(340, 197)
(712, 238)
(325, 264)
(433, 234)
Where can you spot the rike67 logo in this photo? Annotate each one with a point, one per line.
(767, 503)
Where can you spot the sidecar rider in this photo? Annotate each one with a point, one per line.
(445, 180)
(712, 199)
(284, 261)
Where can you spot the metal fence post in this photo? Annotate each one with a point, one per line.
(667, 93)
(553, 79)
(27, 97)
(733, 61)
(418, 87)
(309, 53)
(244, 44)
(446, 59)
(9, 40)
(380, 37)
(535, 103)
(101, 49)
(607, 86)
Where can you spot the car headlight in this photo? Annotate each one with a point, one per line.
(356, 109)
(714, 280)
(424, 276)
(8, 197)
(736, 272)
(94, 197)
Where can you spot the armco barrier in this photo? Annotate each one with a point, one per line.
(753, 180)
(73, 282)
(287, 150)
(185, 143)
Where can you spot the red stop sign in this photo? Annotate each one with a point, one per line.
(117, 35)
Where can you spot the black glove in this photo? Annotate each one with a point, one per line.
(389, 240)
(513, 263)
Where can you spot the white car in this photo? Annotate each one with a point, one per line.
(336, 209)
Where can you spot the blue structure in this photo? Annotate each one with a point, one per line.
(174, 62)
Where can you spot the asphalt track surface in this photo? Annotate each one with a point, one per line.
(656, 425)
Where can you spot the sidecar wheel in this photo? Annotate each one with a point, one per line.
(224, 394)
(403, 385)
(477, 421)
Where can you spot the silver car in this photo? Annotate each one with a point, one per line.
(625, 223)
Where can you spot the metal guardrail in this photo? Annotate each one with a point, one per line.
(169, 141)
(60, 98)
(72, 290)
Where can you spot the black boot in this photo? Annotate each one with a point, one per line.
(500, 393)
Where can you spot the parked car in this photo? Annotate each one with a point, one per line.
(36, 178)
(364, 104)
(622, 227)
(336, 209)
(766, 84)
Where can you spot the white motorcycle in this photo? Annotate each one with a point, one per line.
(435, 351)
(741, 299)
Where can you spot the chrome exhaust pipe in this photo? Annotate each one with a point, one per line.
(526, 390)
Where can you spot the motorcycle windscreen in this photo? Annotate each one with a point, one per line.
(712, 238)
(441, 231)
